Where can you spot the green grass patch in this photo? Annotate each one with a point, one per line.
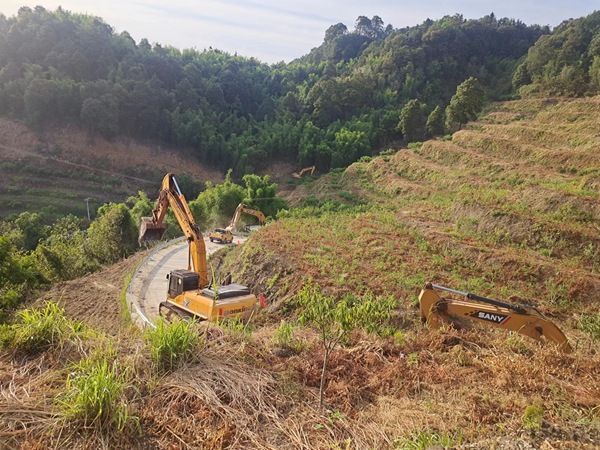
(36, 330)
(95, 394)
(590, 325)
(426, 439)
(172, 344)
(533, 417)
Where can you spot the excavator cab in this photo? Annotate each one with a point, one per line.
(151, 231)
(182, 280)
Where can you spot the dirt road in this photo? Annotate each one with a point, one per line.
(148, 286)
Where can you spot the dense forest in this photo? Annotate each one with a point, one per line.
(339, 102)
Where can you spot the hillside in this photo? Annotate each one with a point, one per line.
(55, 169)
(508, 208)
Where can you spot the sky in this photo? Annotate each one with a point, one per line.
(274, 31)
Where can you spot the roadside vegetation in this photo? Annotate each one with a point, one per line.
(34, 255)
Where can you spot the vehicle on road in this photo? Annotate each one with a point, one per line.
(221, 235)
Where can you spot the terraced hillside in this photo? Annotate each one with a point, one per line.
(507, 208)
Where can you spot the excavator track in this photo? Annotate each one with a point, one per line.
(171, 313)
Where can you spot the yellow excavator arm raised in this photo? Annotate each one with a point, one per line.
(306, 169)
(437, 311)
(153, 228)
(243, 209)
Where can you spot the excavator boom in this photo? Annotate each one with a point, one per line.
(306, 169)
(437, 311)
(153, 228)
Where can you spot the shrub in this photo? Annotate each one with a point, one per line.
(532, 418)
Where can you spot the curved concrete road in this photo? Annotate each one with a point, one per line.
(148, 286)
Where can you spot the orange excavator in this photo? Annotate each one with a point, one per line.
(243, 209)
(437, 311)
(310, 169)
(190, 294)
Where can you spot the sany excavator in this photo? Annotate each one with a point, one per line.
(190, 294)
(437, 311)
(306, 169)
(243, 209)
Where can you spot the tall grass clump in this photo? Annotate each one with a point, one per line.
(172, 344)
(284, 337)
(236, 327)
(37, 330)
(95, 394)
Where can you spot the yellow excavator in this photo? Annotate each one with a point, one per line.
(310, 169)
(243, 209)
(190, 294)
(437, 311)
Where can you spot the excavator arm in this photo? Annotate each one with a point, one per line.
(306, 169)
(437, 311)
(153, 228)
(243, 209)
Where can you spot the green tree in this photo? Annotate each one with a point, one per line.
(31, 228)
(62, 255)
(262, 194)
(112, 235)
(595, 74)
(101, 115)
(141, 206)
(334, 319)
(465, 104)
(16, 276)
(435, 122)
(521, 76)
(217, 203)
(412, 121)
(348, 147)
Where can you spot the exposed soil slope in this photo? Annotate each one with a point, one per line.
(96, 299)
(57, 169)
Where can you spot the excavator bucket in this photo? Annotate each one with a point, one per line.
(150, 231)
